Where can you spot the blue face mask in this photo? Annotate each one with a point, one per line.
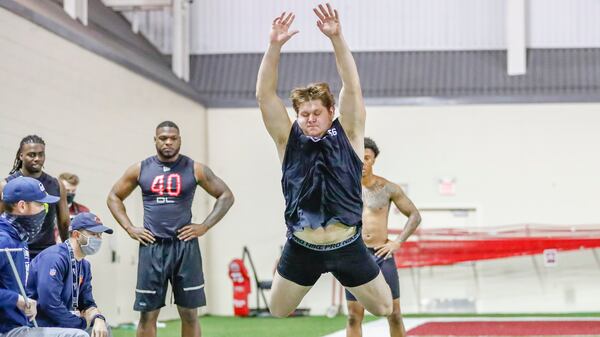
(29, 226)
(92, 246)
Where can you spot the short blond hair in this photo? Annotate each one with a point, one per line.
(71, 178)
(311, 92)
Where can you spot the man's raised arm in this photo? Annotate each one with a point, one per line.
(273, 110)
(352, 109)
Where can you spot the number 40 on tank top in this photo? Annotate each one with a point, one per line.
(171, 189)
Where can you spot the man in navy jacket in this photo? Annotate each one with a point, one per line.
(60, 279)
(24, 199)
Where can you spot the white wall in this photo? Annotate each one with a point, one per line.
(97, 119)
(384, 25)
(390, 25)
(514, 163)
(394, 25)
(563, 23)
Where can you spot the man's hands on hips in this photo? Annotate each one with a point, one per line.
(388, 249)
(141, 234)
(192, 231)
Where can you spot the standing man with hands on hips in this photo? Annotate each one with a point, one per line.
(169, 248)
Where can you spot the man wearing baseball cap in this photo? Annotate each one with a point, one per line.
(60, 279)
(25, 202)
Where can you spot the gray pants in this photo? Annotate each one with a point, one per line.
(45, 332)
(89, 331)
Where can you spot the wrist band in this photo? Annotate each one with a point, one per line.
(97, 316)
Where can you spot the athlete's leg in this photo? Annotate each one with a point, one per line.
(374, 295)
(356, 313)
(190, 326)
(395, 321)
(187, 281)
(285, 296)
(356, 270)
(147, 325)
(298, 270)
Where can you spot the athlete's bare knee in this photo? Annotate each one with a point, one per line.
(355, 319)
(382, 309)
(355, 314)
(148, 318)
(280, 312)
(395, 318)
(188, 316)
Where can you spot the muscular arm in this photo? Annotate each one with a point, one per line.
(120, 191)
(273, 110)
(351, 106)
(406, 206)
(62, 213)
(214, 186)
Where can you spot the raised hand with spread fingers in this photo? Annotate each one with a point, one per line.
(329, 20)
(280, 32)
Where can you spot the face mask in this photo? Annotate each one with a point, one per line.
(92, 245)
(70, 198)
(30, 225)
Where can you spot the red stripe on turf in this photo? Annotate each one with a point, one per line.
(507, 328)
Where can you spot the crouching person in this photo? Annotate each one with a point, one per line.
(24, 201)
(60, 279)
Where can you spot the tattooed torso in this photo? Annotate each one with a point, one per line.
(376, 200)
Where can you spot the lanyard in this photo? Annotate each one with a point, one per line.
(76, 272)
(26, 255)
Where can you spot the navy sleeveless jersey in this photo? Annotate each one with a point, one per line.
(168, 191)
(45, 238)
(321, 180)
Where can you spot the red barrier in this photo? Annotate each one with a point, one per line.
(445, 246)
(241, 287)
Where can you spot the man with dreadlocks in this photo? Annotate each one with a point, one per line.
(29, 162)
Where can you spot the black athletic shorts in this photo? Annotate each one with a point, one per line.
(174, 261)
(351, 264)
(390, 273)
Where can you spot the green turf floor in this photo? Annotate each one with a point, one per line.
(218, 326)
(314, 326)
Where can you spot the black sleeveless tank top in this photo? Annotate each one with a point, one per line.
(321, 180)
(167, 191)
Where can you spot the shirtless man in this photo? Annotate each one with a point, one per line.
(378, 194)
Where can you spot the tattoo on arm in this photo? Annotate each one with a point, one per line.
(217, 188)
(406, 206)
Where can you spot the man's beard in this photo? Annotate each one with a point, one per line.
(32, 169)
(173, 154)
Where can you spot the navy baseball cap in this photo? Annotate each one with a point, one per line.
(89, 222)
(26, 189)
